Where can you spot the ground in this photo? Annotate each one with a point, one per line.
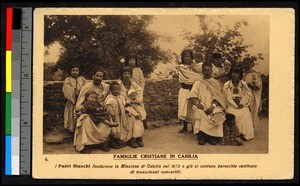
(166, 140)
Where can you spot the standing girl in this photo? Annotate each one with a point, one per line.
(71, 88)
(187, 77)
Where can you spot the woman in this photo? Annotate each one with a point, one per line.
(135, 124)
(187, 77)
(87, 132)
(71, 87)
(253, 80)
(239, 97)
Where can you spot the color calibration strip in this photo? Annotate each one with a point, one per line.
(8, 58)
(18, 64)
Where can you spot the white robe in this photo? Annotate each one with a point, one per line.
(71, 88)
(135, 126)
(242, 115)
(86, 131)
(138, 77)
(116, 105)
(209, 124)
(188, 76)
(254, 77)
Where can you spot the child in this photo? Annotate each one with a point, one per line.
(95, 110)
(225, 72)
(71, 88)
(137, 106)
(115, 105)
(230, 132)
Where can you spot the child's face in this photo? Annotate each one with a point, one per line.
(217, 62)
(115, 90)
(132, 95)
(247, 65)
(91, 97)
(187, 58)
(198, 57)
(126, 76)
(207, 71)
(132, 62)
(227, 66)
(75, 72)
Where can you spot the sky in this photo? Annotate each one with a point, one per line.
(174, 26)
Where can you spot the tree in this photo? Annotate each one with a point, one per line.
(102, 40)
(213, 37)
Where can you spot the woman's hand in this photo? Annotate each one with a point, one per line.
(209, 110)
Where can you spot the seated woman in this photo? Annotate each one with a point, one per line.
(135, 124)
(86, 131)
(239, 97)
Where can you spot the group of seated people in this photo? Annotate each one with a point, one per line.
(104, 114)
(219, 99)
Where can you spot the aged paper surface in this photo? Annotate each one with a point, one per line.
(275, 163)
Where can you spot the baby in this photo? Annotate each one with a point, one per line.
(95, 110)
(230, 132)
(225, 72)
(134, 106)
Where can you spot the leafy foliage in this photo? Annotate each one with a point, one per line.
(102, 40)
(215, 38)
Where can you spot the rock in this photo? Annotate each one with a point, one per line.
(58, 136)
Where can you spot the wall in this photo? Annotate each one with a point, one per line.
(160, 99)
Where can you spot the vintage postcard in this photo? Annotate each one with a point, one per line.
(163, 93)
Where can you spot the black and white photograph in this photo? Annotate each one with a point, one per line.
(133, 85)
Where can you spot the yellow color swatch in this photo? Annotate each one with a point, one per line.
(8, 71)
